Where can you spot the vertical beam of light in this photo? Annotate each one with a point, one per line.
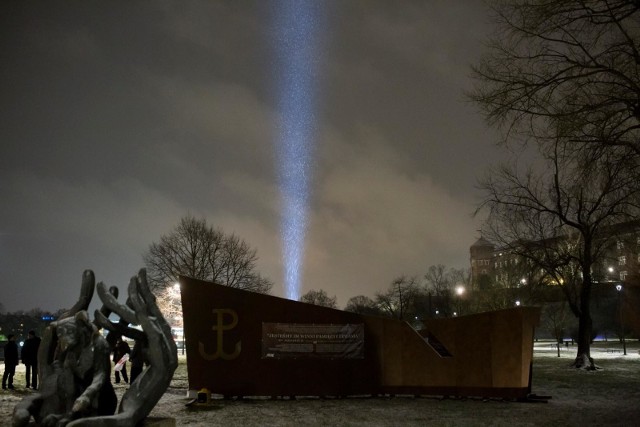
(296, 35)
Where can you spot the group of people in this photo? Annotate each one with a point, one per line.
(122, 353)
(29, 355)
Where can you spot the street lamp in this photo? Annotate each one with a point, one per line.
(459, 292)
(624, 342)
(518, 303)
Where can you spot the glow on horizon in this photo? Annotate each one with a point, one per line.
(296, 29)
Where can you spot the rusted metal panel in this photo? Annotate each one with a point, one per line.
(321, 351)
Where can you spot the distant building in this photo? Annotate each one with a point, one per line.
(482, 253)
(620, 263)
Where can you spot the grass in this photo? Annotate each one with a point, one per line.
(607, 397)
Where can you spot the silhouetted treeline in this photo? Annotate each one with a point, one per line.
(21, 322)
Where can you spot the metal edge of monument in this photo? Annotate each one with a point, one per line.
(241, 343)
(75, 367)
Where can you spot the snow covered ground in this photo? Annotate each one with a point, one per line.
(608, 397)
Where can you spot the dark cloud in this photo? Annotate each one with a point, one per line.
(118, 119)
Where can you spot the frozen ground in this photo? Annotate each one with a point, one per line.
(608, 397)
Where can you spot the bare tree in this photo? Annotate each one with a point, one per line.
(197, 250)
(557, 219)
(438, 280)
(564, 69)
(555, 319)
(362, 304)
(399, 300)
(439, 285)
(447, 290)
(320, 298)
(562, 76)
(169, 303)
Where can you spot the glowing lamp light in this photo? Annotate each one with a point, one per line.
(174, 291)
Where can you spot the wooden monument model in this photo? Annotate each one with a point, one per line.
(241, 343)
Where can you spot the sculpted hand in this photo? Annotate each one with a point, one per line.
(81, 404)
(51, 420)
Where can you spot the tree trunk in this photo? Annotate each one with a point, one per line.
(585, 324)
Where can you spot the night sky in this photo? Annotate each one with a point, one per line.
(119, 118)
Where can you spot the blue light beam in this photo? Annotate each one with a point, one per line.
(296, 38)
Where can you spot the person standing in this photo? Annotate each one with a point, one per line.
(120, 350)
(138, 359)
(10, 362)
(112, 338)
(30, 359)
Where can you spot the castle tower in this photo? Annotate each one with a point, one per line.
(481, 255)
